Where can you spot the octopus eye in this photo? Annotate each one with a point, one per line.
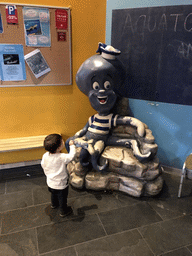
(95, 85)
(107, 85)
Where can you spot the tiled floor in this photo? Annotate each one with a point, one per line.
(103, 223)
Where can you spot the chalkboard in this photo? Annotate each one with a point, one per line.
(156, 46)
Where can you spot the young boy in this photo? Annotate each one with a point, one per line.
(54, 166)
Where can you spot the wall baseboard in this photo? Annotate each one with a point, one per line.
(20, 164)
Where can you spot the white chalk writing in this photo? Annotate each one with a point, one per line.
(184, 50)
(181, 49)
(151, 23)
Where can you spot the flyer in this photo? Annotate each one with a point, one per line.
(12, 64)
(61, 19)
(37, 27)
(61, 36)
(11, 14)
(1, 25)
(37, 63)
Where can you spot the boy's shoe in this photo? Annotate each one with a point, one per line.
(54, 206)
(66, 212)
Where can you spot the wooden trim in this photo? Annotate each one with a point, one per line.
(24, 143)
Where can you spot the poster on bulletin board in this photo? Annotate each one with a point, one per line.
(1, 25)
(37, 63)
(61, 19)
(37, 27)
(12, 64)
(11, 14)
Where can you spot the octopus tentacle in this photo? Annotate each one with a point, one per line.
(137, 152)
(94, 160)
(130, 143)
(95, 151)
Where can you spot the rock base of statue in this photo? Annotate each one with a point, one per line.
(125, 172)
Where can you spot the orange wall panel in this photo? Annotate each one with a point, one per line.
(28, 111)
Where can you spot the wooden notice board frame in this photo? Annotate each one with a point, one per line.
(58, 56)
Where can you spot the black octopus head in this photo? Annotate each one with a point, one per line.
(99, 78)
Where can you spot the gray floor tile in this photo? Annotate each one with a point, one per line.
(128, 217)
(123, 244)
(172, 208)
(91, 204)
(2, 188)
(168, 235)
(25, 184)
(19, 244)
(76, 192)
(15, 200)
(190, 248)
(0, 223)
(171, 187)
(30, 217)
(70, 251)
(60, 235)
(41, 195)
(125, 199)
(180, 252)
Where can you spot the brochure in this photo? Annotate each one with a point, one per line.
(11, 14)
(12, 64)
(1, 25)
(37, 63)
(37, 27)
(61, 19)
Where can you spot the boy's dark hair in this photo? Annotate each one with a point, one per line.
(52, 142)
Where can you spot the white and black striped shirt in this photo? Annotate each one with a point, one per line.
(102, 124)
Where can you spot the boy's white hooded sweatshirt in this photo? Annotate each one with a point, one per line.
(55, 168)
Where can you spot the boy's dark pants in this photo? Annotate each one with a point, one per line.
(59, 197)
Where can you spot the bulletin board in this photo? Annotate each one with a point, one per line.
(156, 49)
(57, 56)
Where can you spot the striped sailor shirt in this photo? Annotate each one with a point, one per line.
(102, 124)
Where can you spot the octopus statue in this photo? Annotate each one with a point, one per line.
(100, 78)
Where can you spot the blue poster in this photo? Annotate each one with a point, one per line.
(1, 25)
(12, 63)
(37, 27)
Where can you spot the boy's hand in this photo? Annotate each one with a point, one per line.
(71, 142)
